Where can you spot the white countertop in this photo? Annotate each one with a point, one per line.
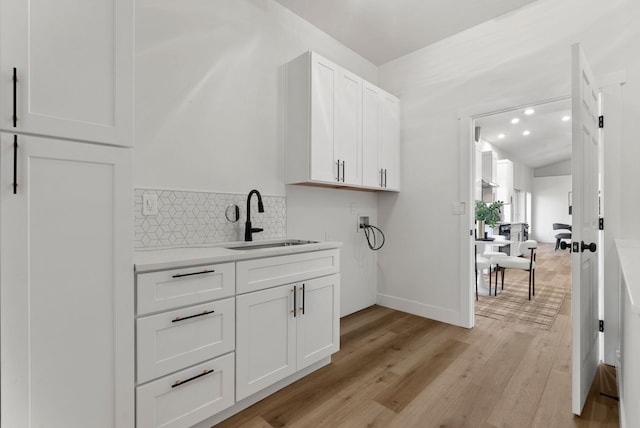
(171, 258)
(629, 256)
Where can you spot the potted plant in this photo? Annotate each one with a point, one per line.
(487, 214)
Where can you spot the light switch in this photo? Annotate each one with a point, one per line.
(150, 204)
(457, 208)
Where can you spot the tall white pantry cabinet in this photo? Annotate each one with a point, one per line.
(66, 244)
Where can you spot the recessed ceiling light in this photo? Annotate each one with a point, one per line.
(515, 120)
(529, 111)
(566, 118)
(501, 136)
(526, 132)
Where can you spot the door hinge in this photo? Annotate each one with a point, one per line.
(601, 326)
(601, 223)
(601, 122)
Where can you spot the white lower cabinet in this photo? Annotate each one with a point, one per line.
(187, 397)
(318, 320)
(210, 336)
(284, 329)
(175, 339)
(266, 335)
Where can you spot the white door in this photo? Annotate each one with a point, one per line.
(265, 338)
(584, 263)
(318, 329)
(66, 276)
(74, 67)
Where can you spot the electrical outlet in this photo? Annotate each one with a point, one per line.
(362, 219)
(150, 204)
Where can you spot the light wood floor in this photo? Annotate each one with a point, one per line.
(400, 370)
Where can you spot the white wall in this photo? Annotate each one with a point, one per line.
(560, 168)
(209, 113)
(518, 58)
(549, 205)
(311, 217)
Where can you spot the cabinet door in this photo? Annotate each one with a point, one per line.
(371, 171)
(504, 173)
(318, 317)
(390, 141)
(324, 75)
(66, 296)
(348, 127)
(74, 65)
(265, 339)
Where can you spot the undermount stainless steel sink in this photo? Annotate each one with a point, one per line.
(283, 243)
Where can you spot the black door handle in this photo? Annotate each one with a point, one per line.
(591, 247)
(15, 164)
(15, 97)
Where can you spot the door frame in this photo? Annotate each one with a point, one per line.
(466, 124)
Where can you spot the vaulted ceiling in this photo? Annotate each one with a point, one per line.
(383, 30)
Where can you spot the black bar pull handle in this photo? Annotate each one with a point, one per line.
(385, 178)
(177, 319)
(343, 171)
(180, 275)
(295, 301)
(15, 164)
(338, 168)
(182, 382)
(303, 293)
(15, 97)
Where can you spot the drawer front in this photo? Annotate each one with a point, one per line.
(172, 340)
(165, 403)
(159, 291)
(257, 274)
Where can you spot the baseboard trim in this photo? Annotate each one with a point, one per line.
(420, 309)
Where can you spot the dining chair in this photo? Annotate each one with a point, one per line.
(510, 262)
(562, 235)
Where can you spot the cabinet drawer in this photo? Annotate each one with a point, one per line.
(206, 389)
(257, 274)
(170, 289)
(172, 340)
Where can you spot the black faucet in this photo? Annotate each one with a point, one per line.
(248, 230)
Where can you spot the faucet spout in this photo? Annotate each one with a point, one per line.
(248, 230)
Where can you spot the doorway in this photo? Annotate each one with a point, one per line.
(523, 159)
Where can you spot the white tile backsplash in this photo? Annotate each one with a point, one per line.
(196, 218)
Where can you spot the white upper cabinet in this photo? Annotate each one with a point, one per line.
(73, 64)
(319, 138)
(380, 138)
(389, 158)
(348, 127)
(340, 129)
(505, 180)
